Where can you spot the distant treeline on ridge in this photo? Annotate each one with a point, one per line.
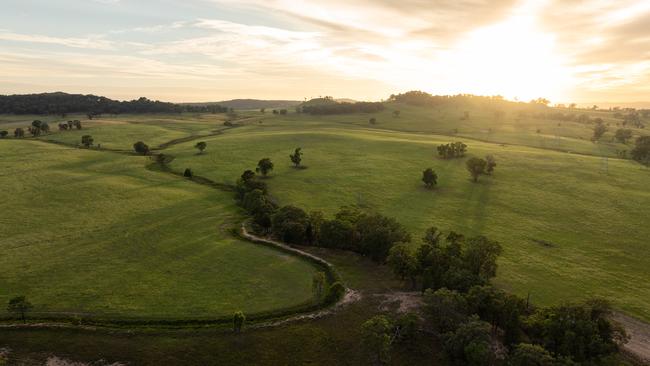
(63, 103)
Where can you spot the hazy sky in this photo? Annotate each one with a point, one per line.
(203, 50)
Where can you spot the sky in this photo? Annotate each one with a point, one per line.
(582, 51)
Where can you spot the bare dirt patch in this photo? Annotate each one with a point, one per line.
(639, 331)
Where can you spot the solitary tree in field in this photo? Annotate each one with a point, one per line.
(262, 110)
(264, 166)
(163, 159)
(19, 305)
(429, 177)
(19, 132)
(491, 163)
(87, 141)
(238, 321)
(201, 146)
(599, 131)
(373, 121)
(318, 283)
(141, 148)
(3, 134)
(296, 157)
(45, 127)
(396, 113)
(476, 167)
(188, 173)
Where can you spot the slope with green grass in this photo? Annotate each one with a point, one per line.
(95, 233)
(569, 229)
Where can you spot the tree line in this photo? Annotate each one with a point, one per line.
(63, 103)
(342, 108)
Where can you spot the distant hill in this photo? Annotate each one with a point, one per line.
(252, 103)
(62, 103)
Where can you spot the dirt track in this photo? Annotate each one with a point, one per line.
(639, 344)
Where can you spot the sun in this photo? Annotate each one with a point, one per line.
(512, 59)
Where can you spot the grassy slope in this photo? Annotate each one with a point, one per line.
(86, 231)
(595, 221)
(120, 132)
(482, 125)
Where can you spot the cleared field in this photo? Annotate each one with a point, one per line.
(95, 233)
(121, 132)
(570, 230)
(482, 125)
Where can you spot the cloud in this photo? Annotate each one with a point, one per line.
(89, 43)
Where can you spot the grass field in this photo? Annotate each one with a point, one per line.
(482, 125)
(569, 229)
(121, 132)
(90, 232)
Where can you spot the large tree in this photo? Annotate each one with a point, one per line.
(87, 141)
(599, 130)
(429, 177)
(476, 167)
(641, 151)
(141, 148)
(296, 157)
(264, 166)
(201, 145)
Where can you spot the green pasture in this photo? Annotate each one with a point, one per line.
(572, 226)
(95, 233)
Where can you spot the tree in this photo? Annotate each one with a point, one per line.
(445, 309)
(623, 135)
(377, 234)
(45, 127)
(491, 163)
(87, 141)
(19, 305)
(376, 339)
(396, 113)
(599, 130)
(372, 121)
(247, 175)
(3, 134)
(476, 167)
(469, 344)
(262, 110)
(526, 354)
(283, 111)
(188, 173)
(238, 321)
(141, 148)
(403, 263)
(336, 234)
(480, 257)
(296, 157)
(641, 151)
(290, 224)
(264, 166)
(429, 177)
(318, 283)
(201, 146)
(19, 132)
